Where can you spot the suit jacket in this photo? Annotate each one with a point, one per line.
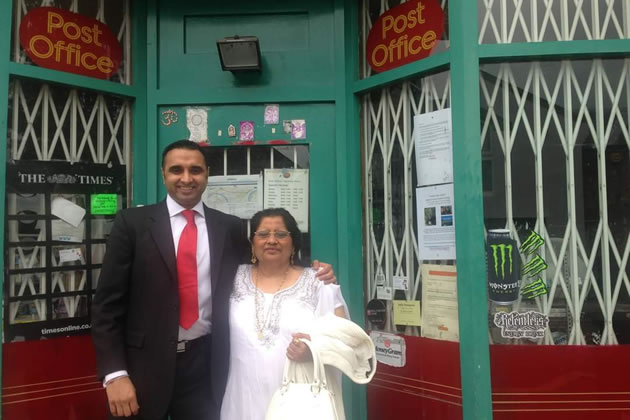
(135, 311)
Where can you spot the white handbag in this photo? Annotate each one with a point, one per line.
(303, 401)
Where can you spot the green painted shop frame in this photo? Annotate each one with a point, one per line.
(463, 59)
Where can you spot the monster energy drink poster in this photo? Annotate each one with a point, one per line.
(503, 264)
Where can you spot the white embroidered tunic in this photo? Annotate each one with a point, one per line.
(256, 364)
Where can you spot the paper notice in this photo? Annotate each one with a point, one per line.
(197, 123)
(65, 232)
(67, 211)
(288, 188)
(239, 195)
(384, 293)
(69, 255)
(434, 147)
(436, 222)
(407, 312)
(272, 114)
(439, 302)
(400, 282)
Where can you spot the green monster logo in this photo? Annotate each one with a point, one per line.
(534, 267)
(501, 248)
(534, 289)
(532, 243)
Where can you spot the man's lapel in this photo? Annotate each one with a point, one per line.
(161, 232)
(216, 236)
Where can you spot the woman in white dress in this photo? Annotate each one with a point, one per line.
(273, 301)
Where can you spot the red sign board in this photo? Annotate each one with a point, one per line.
(405, 33)
(66, 41)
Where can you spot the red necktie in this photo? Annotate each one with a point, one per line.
(187, 272)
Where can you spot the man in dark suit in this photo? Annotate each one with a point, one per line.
(159, 357)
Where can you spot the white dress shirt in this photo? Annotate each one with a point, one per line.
(203, 325)
(204, 292)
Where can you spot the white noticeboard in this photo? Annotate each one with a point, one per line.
(439, 302)
(436, 222)
(433, 139)
(239, 195)
(288, 188)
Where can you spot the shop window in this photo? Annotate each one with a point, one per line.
(559, 132)
(115, 14)
(237, 161)
(392, 258)
(68, 154)
(507, 21)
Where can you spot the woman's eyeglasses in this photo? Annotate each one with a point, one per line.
(279, 234)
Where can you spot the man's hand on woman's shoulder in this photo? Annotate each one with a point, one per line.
(324, 272)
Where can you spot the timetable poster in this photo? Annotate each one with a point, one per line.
(288, 188)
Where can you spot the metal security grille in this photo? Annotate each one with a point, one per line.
(114, 13)
(49, 124)
(507, 21)
(555, 148)
(390, 180)
(557, 136)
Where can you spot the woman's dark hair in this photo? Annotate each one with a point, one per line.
(289, 222)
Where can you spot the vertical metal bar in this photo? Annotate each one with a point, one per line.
(45, 117)
(576, 336)
(225, 161)
(387, 194)
(408, 253)
(596, 30)
(536, 36)
(539, 141)
(100, 134)
(367, 199)
(508, 143)
(249, 160)
(504, 23)
(17, 87)
(608, 333)
(74, 122)
(472, 299)
(564, 20)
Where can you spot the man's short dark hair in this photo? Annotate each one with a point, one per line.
(184, 144)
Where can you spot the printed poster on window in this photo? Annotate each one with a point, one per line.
(433, 139)
(288, 188)
(439, 302)
(436, 222)
(239, 195)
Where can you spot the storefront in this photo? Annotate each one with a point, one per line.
(464, 167)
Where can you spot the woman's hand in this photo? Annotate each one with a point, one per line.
(297, 350)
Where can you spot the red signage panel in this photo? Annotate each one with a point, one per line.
(66, 41)
(405, 33)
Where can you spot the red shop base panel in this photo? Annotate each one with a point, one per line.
(51, 379)
(528, 382)
(427, 387)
